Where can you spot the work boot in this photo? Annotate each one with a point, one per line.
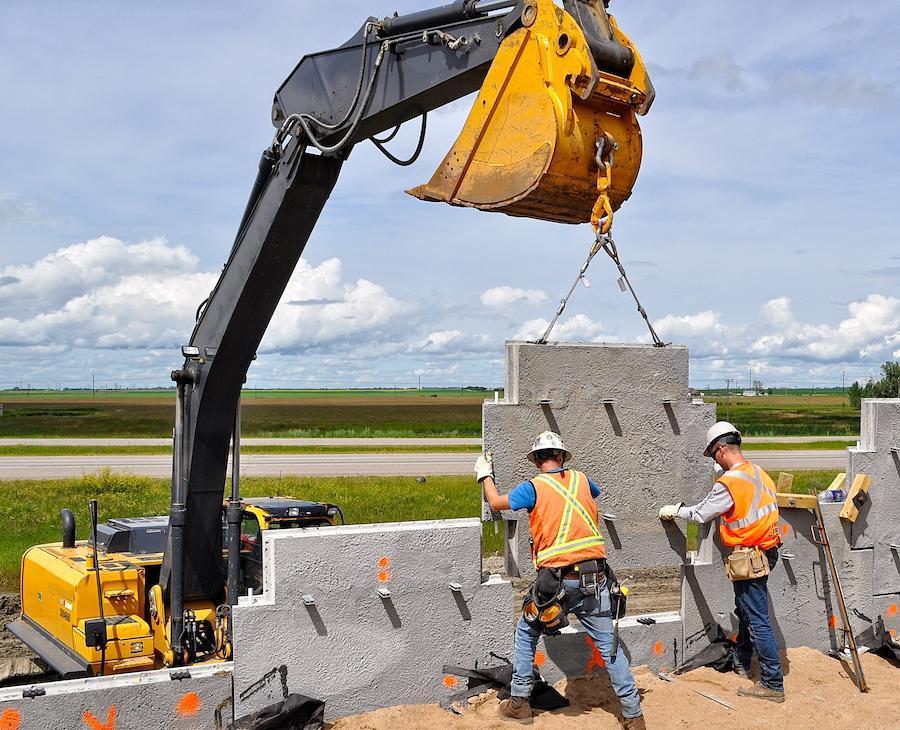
(761, 692)
(634, 723)
(742, 672)
(516, 708)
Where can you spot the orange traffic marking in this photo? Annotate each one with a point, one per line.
(94, 724)
(189, 705)
(11, 719)
(539, 658)
(596, 660)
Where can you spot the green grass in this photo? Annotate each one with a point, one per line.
(792, 415)
(29, 509)
(16, 396)
(385, 416)
(52, 450)
(798, 446)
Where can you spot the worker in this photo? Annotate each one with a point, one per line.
(744, 496)
(566, 546)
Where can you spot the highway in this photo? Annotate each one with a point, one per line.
(393, 464)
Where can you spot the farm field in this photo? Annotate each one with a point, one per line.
(367, 413)
(32, 507)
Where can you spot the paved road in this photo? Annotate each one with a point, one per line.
(160, 465)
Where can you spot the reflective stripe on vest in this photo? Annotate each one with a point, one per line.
(573, 509)
(755, 513)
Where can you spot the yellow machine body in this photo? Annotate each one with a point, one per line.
(529, 146)
(59, 594)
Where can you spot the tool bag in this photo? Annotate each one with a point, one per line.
(746, 563)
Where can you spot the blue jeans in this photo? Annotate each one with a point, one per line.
(751, 601)
(599, 628)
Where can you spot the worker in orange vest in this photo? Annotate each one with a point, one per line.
(569, 554)
(744, 496)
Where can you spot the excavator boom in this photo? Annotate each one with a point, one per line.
(551, 134)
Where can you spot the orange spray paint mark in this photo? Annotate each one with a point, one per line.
(94, 724)
(734, 638)
(785, 529)
(450, 681)
(539, 658)
(384, 576)
(892, 610)
(658, 648)
(596, 660)
(189, 705)
(891, 632)
(11, 719)
(384, 562)
(832, 621)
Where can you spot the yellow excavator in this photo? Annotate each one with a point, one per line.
(552, 135)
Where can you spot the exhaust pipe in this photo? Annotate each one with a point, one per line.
(68, 528)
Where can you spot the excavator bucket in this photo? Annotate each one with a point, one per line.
(550, 131)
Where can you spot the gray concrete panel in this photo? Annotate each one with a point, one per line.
(136, 701)
(624, 411)
(322, 628)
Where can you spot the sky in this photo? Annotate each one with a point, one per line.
(762, 231)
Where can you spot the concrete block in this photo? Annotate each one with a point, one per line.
(365, 616)
(803, 606)
(132, 701)
(625, 413)
(573, 654)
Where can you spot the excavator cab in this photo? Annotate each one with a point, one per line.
(553, 133)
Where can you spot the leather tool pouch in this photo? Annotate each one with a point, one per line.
(746, 563)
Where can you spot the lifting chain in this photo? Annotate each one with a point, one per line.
(601, 222)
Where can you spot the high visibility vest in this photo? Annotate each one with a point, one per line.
(564, 525)
(753, 520)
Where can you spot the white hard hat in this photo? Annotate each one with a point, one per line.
(717, 431)
(548, 440)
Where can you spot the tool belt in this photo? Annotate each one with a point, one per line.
(544, 607)
(746, 563)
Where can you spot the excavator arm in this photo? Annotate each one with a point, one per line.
(551, 135)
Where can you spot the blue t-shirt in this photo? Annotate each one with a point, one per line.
(524, 496)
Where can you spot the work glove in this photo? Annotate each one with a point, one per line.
(484, 466)
(670, 511)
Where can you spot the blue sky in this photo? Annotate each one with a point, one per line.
(762, 231)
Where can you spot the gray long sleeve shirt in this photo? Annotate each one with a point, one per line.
(716, 503)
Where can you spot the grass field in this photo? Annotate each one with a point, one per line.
(29, 510)
(370, 413)
(41, 450)
(283, 416)
(789, 415)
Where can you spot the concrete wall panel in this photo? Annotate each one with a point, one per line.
(625, 413)
(130, 702)
(349, 645)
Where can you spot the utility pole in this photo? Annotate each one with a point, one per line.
(728, 398)
(93, 385)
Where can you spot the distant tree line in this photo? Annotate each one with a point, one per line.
(887, 387)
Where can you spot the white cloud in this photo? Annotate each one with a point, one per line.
(15, 210)
(580, 327)
(870, 330)
(108, 294)
(456, 342)
(505, 296)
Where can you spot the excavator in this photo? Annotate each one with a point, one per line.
(552, 135)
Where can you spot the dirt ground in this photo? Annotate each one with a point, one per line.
(651, 589)
(819, 693)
